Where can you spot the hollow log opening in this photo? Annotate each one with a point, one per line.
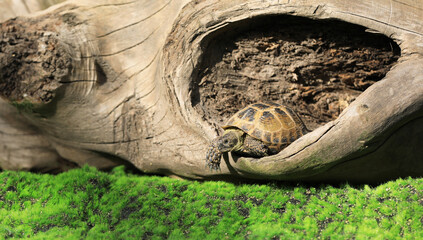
(316, 67)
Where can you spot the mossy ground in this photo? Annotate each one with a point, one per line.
(89, 204)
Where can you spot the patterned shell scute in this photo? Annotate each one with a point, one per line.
(271, 123)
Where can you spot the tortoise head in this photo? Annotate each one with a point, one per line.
(230, 141)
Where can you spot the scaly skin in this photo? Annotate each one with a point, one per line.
(254, 147)
(231, 140)
(213, 155)
(234, 140)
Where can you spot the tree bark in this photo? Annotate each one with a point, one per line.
(107, 82)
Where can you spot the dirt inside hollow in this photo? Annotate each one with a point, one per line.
(317, 68)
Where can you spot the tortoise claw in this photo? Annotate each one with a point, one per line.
(214, 167)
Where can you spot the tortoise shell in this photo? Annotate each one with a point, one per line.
(274, 124)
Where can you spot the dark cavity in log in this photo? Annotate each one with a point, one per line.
(315, 67)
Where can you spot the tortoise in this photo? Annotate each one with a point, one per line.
(258, 130)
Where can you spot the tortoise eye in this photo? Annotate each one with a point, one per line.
(226, 141)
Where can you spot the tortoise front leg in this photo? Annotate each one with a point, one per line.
(254, 147)
(213, 155)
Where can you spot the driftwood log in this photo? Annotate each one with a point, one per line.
(111, 82)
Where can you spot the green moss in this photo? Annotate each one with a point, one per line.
(23, 106)
(90, 204)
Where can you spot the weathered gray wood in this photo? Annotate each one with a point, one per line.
(127, 93)
(13, 8)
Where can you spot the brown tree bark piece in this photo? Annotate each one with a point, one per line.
(101, 82)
